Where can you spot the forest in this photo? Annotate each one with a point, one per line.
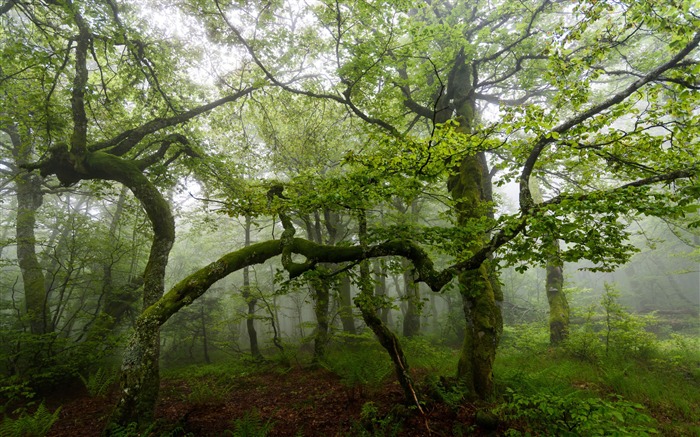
(349, 218)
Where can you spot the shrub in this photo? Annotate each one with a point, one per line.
(572, 415)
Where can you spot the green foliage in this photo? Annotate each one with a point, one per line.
(667, 384)
(359, 367)
(37, 424)
(526, 338)
(373, 423)
(224, 371)
(427, 353)
(623, 332)
(609, 329)
(98, 383)
(446, 390)
(16, 391)
(584, 342)
(572, 415)
(205, 391)
(251, 425)
(130, 430)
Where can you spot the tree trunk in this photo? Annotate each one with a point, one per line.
(29, 199)
(484, 322)
(251, 301)
(380, 292)
(389, 340)
(554, 282)
(411, 321)
(140, 378)
(345, 310)
(483, 329)
(558, 306)
(321, 293)
(205, 340)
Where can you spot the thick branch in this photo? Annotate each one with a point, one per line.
(125, 141)
(160, 153)
(79, 137)
(196, 284)
(7, 6)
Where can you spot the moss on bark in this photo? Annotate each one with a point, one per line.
(558, 305)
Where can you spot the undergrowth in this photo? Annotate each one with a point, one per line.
(36, 424)
(362, 366)
(621, 386)
(250, 425)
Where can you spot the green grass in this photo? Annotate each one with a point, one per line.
(231, 369)
(666, 382)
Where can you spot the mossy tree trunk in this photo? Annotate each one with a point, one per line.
(29, 200)
(320, 288)
(554, 281)
(470, 188)
(558, 305)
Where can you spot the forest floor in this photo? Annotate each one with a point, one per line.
(539, 391)
(297, 401)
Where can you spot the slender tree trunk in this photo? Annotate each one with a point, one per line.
(345, 297)
(117, 300)
(411, 321)
(322, 300)
(380, 291)
(386, 338)
(205, 340)
(554, 283)
(251, 301)
(320, 288)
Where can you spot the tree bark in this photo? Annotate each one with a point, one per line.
(380, 292)
(411, 320)
(345, 308)
(251, 301)
(558, 305)
(29, 200)
(470, 188)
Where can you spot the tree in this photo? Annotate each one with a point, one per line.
(478, 54)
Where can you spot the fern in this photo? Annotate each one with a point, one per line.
(98, 383)
(251, 425)
(30, 425)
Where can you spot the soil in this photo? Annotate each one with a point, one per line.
(296, 402)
